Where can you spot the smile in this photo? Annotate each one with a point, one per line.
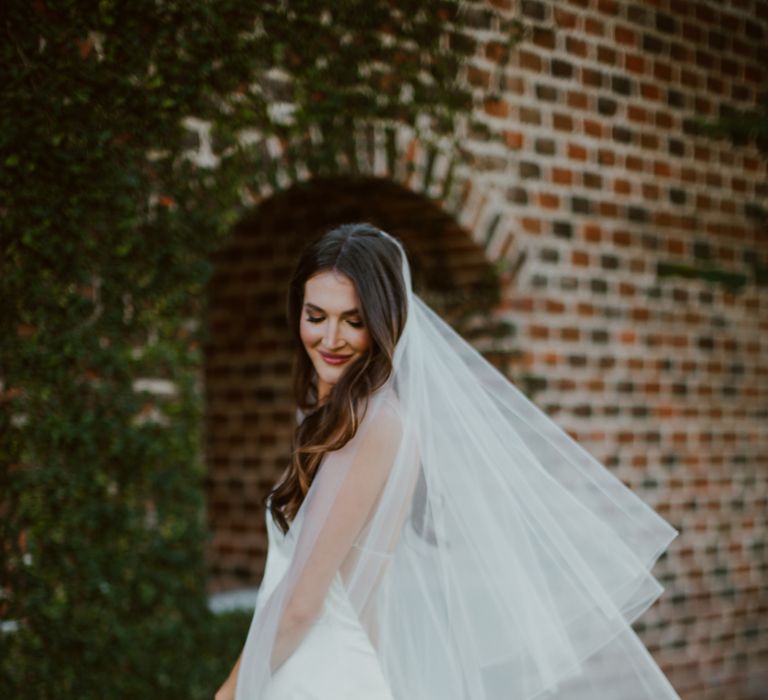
(334, 359)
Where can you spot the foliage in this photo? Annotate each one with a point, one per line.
(733, 281)
(742, 126)
(745, 127)
(107, 230)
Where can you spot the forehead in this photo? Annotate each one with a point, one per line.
(331, 291)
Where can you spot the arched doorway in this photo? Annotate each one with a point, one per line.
(248, 357)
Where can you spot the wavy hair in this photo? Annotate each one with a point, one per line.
(372, 262)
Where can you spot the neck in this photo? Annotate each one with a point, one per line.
(323, 389)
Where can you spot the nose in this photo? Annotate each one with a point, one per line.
(331, 339)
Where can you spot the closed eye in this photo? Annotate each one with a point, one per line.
(320, 319)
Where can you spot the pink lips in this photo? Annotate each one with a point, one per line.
(334, 359)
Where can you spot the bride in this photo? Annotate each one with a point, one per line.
(435, 535)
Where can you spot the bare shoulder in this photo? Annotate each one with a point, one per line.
(385, 416)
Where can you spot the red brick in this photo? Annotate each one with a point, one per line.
(531, 225)
(547, 200)
(649, 141)
(621, 186)
(662, 70)
(575, 46)
(521, 303)
(562, 176)
(529, 115)
(664, 120)
(701, 152)
(514, 139)
(634, 163)
(636, 113)
(594, 26)
(529, 60)
(553, 306)
(625, 35)
(592, 180)
(689, 78)
(635, 63)
(478, 77)
(562, 122)
(593, 128)
(692, 32)
(578, 100)
(626, 338)
(570, 333)
(606, 157)
(661, 169)
(650, 191)
(753, 74)
(675, 246)
(496, 52)
(688, 175)
(516, 84)
(680, 53)
(593, 233)
(544, 38)
(497, 108)
(680, 8)
(564, 18)
(715, 85)
(579, 258)
(608, 7)
(650, 91)
(576, 152)
(607, 55)
(622, 238)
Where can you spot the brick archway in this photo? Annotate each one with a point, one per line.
(249, 353)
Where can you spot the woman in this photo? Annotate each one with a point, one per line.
(436, 536)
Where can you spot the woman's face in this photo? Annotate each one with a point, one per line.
(332, 328)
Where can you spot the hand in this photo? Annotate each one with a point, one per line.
(226, 692)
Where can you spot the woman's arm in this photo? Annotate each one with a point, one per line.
(352, 502)
(227, 690)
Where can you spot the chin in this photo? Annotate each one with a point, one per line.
(329, 375)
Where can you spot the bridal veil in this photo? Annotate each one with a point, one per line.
(487, 554)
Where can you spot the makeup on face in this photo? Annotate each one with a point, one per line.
(331, 329)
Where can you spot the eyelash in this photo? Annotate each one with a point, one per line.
(318, 319)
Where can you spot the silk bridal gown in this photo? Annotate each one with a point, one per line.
(336, 659)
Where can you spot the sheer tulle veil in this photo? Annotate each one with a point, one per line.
(500, 560)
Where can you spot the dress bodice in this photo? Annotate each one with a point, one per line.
(335, 660)
(279, 554)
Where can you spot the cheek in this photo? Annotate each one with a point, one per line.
(362, 341)
(309, 333)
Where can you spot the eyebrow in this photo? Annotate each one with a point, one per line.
(349, 312)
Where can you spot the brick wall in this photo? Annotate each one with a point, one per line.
(632, 252)
(662, 376)
(248, 359)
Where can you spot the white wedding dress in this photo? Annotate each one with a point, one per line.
(466, 548)
(335, 660)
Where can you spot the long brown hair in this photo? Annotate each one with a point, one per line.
(372, 262)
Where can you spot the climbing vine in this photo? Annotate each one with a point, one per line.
(107, 226)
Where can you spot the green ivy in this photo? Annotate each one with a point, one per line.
(107, 231)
